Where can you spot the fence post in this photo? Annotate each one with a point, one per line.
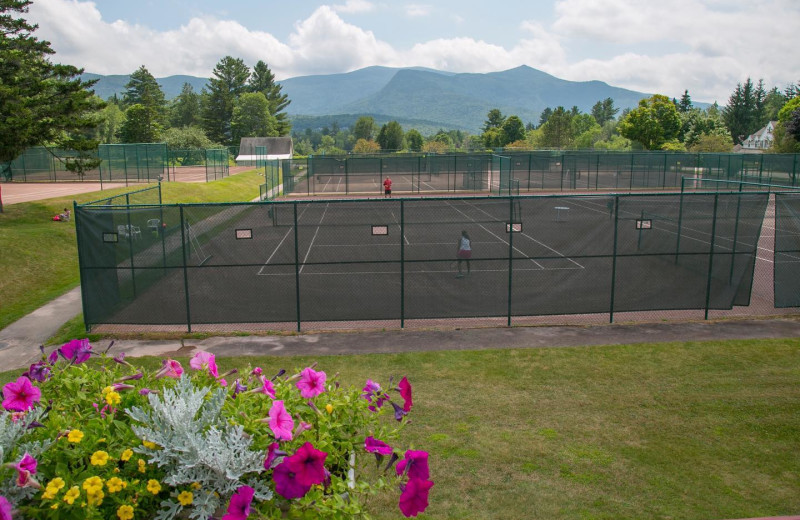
(296, 266)
(130, 240)
(736, 233)
(680, 226)
(402, 265)
(81, 264)
(185, 271)
(711, 254)
(614, 261)
(510, 252)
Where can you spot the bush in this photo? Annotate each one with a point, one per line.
(90, 436)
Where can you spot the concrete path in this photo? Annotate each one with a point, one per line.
(19, 342)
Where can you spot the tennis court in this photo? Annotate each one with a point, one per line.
(295, 262)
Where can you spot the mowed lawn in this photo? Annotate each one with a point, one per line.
(651, 431)
(39, 258)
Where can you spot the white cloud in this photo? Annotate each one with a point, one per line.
(418, 10)
(355, 6)
(706, 46)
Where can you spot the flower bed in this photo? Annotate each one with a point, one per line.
(103, 439)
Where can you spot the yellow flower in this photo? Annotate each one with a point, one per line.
(106, 390)
(75, 436)
(52, 488)
(99, 458)
(329, 407)
(95, 499)
(115, 484)
(151, 445)
(93, 483)
(142, 465)
(113, 398)
(49, 494)
(195, 485)
(126, 455)
(54, 506)
(185, 498)
(72, 494)
(153, 486)
(125, 512)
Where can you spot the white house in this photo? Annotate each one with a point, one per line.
(761, 140)
(254, 149)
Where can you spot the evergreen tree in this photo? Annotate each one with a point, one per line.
(685, 104)
(557, 131)
(251, 117)
(390, 136)
(494, 119)
(414, 140)
(512, 130)
(229, 81)
(143, 89)
(544, 116)
(364, 128)
(41, 103)
(604, 111)
(263, 80)
(185, 109)
(743, 113)
(141, 125)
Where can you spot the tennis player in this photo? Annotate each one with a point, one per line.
(387, 187)
(464, 252)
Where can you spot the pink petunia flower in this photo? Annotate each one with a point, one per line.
(308, 465)
(312, 383)
(280, 422)
(273, 452)
(205, 361)
(76, 350)
(286, 484)
(27, 463)
(373, 395)
(38, 371)
(266, 388)
(20, 395)
(5, 509)
(405, 393)
(239, 506)
(414, 498)
(373, 445)
(170, 368)
(415, 464)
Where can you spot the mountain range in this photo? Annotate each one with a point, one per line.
(416, 97)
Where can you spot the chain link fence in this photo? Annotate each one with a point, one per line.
(392, 262)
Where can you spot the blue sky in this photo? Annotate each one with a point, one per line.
(705, 46)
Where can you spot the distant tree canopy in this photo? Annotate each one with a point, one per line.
(653, 123)
(390, 136)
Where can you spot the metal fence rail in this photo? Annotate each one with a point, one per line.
(307, 262)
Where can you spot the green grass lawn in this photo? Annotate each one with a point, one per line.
(657, 431)
(39, 257)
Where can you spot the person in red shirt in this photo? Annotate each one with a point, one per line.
(387, 187)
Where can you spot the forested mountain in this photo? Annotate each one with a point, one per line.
(429, 97)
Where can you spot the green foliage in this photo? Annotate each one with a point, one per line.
(185, 109)
(229, 81)
(685, 104)
(558, 131)
(111, 120)
(252, 118)
(414, 140)
(712, 143)
(390, 136)
(143, 89)
(745, 111)
(512, 130)
(364, 128)
(654, 122)
(188, 137)
(164, 444)
(40, 102)
(494, 119)
(263, 80)
(141, 125)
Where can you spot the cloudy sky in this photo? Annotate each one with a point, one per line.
(665, 46)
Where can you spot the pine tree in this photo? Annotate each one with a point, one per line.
(225, 87)
(263, 80)
(41, 103)
(685, 104)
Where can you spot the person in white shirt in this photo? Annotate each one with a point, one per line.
(464, 252)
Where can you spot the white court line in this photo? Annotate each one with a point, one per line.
(315, 236)
(497, 237)
(704, 242)
(426, 271)
(275, 251)
(397, 222)
(534, 240)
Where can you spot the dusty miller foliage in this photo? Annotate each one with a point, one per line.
(12, 450)
(197, 445)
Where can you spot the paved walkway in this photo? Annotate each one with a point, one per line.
(19, 342)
